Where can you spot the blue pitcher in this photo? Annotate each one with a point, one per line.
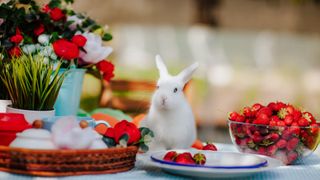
(68, 100)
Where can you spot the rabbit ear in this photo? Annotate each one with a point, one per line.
(186, 74)
(161, 66)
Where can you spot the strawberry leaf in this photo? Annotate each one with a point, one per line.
(109, 141)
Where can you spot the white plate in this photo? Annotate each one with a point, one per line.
(218, 169)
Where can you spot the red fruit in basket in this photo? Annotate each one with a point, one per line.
(272, 106)
(286, 134)
(281, 143)
(274, 137)
(257, 137)
(210, 147)
(281, 123)
(256, 107)
(271, 150)
(294, 124)
(233, 116)
(200, 158)
(262, 150)
(170, 156)
(296, 115)
(240, 118)
(314, 129)
(185, 158)
(265, 110)
(303, 122)
(290, 109)
(292, 143)
(273, 123)
(262, 119)
(274, 118)
(288, 120)
(308, 116)
(279, 105)
(247, 112)
(294, 130)
(292, 156)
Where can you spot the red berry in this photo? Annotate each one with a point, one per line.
(281, 123)
(271, 150)
(314, 129)
(233, 116)
(296, 115)
(292, 143)
(308, 116)
(247, 112)
(303, 122)
(274, 118)
(256, 107)
(272, 106)
(273, 123)
(267, 111)
(199, 158)
(257, 137)
(279, 105)
(262, 150)
(294, 130)
(210, 147)
(262, 119)
(185, 159)
(288, 120)
(240, 118)
(274, 137)
(290, 109)
(170, 156)
(292, 156)
(281, 143)
(286, 134)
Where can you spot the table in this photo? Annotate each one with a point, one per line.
(309, 169)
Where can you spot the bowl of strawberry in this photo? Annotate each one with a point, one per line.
(277, 130)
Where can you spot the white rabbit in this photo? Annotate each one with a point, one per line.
(170, 116)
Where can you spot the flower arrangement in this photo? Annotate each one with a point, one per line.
(32, 84)
(125, 134)
(57, 33)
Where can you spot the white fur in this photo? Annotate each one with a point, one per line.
(170, 116)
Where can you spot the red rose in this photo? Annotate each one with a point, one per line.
(107, 68)
(65, 49)
(39, 30)
(125, 127)
(110, 133)
(15, 51)
(16, 38)
(79, 40)
(56, 14)
(46, 8)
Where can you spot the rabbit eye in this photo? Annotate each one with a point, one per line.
(175, 90)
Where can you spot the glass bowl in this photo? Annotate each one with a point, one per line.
(290, 144)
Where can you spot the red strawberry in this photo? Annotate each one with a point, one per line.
(290, 109)
(187, 154)
(314, 129)
(292, 143)
(185, 159)
(257, 137)
(247, 112)
(262, 150)
(292, 156)
(170, 156)
(288, 120)
(308, 116)
(281, 123)
(296, 115)
(210, 147)
(265, 110)
(262, 119)
(286, 134)
(279, 105)
(294, 130)
(303, 122)
(233, 116)
(272, 106)
(281, 143)
(271, 150)
(240, 118)
(274, 118)
(256, 107)
(274, 137)
(199, 158)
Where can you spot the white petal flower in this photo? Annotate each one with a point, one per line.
(44, 39)
(29, 48)
(76, 21)
(95, 51)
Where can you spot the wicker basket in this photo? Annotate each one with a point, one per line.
(66, 162)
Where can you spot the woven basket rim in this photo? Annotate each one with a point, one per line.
(68, 151)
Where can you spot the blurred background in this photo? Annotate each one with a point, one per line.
(249, 51)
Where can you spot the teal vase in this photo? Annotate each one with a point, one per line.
(68, 100)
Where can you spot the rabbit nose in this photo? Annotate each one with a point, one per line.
(163, 98)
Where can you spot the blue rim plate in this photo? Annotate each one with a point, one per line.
(218, 160)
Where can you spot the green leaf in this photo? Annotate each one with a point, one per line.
(143, 147)
(109, 141)
(107, 37)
